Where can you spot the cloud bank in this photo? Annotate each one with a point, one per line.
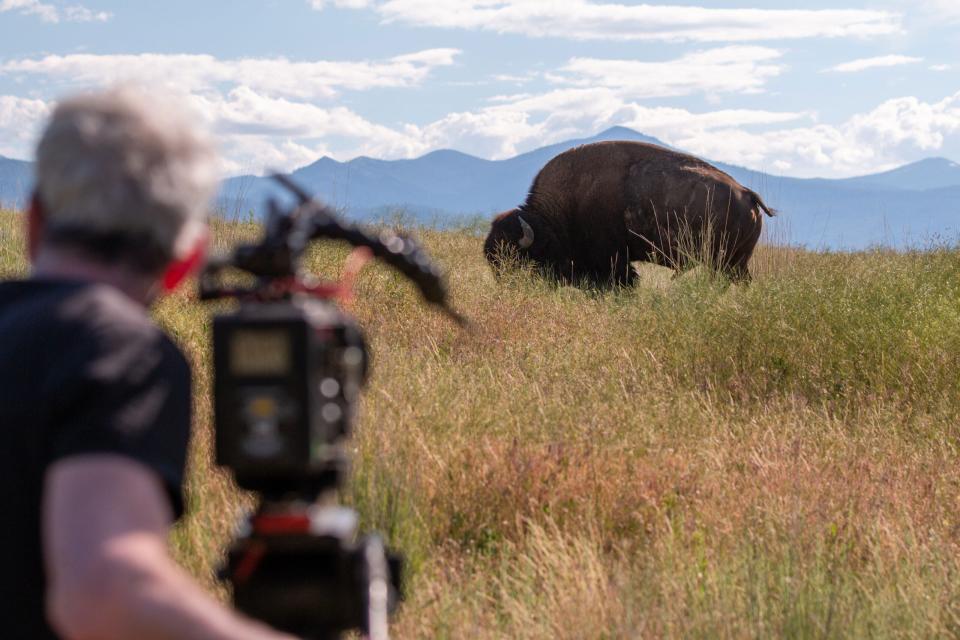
(735, 69)
(268, 112)
(52, 13)
(588, 20)
(874, 63)
(278, 113)
(320, 79)
(20, 120)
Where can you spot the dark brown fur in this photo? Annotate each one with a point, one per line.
(597, 207)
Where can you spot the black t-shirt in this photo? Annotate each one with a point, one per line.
(83, 370)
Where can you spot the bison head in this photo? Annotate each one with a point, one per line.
(526, 235)
(511, 232)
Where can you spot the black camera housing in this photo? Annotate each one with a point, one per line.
(287, 378)
(288, 368)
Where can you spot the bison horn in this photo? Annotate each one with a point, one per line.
(527, 238)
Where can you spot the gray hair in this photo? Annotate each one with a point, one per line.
(124, 173)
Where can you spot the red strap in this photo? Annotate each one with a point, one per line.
(274, 524)
(249, 561)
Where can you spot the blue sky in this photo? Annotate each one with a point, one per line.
(794, 87)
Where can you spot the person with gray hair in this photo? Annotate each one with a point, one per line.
(94, 397)
(119, 173)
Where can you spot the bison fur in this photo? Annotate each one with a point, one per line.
(594, 209)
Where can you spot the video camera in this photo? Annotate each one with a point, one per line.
(288, 369)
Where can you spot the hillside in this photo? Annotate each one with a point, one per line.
(16, 178)
(678, 460)
(932, 173)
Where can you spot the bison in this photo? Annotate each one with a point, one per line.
(595, 208)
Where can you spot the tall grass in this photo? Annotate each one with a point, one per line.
(680, 459)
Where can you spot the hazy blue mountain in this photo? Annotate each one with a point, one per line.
(910, 206)
(856, 213)
(931, 173)
(16, 176)
(436, 186)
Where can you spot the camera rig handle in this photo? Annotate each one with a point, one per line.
(275, 259)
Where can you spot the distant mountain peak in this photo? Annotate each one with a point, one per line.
(446, 153)
(943, 162)
(934, 161)
(929, 173)
(619, 130)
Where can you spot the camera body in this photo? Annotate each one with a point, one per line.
(287, 378)
(288, 369)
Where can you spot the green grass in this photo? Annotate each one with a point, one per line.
(682, 459)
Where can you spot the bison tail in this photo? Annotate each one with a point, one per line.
(763, 206)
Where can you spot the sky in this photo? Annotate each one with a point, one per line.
(792, 87)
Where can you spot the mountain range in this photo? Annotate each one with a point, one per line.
(16, 178)
(912, 206)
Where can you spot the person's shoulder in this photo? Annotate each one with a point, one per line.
(75, 303)
(113, 323)
(101, 305)
(89, 322)
(116, 319)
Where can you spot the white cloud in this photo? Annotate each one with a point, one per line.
(874, 63)
(272, 114)
(941, 67)
(735, 69)
(514, 124)
(342, 4)
(593, 94)
(948, 9)
(256, 132)
(46, 12)
(516, 79)
(260, 132)
(83, 14)
(274, 76)
(590, 20)
(876, 140)
(908, 121)
(263, 109)
(20, 120)
(886, 136)
(51, 13)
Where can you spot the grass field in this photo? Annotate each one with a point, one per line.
(683, 459)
